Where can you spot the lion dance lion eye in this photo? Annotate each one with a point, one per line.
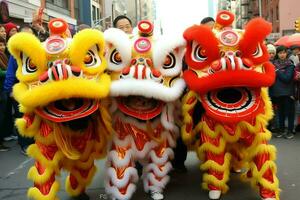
(115, 57)
(170, 61)
(90, 59)
(199, 54)
(30, 66)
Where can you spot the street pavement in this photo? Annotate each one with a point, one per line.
(14, 184)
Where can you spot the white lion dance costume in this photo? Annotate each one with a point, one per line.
(228, 70)
(62, 82)
(146, 80)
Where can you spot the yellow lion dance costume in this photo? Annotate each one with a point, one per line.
(228, 70)
(62, 82)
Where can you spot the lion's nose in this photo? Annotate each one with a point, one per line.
(60, 71)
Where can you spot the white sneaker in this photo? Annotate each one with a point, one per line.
(156, 195)
(214, 194)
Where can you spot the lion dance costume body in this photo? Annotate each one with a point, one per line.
(228, 72)
(60, 91)
(146, 80)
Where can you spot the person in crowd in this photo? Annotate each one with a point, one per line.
(2, 32)
(283, 91)
(124, 23)
(82, 27)
(37, 26)
(8, 131)
(274, 123)
(209, 21)
(272, 51)
(9, 82)
(3, 99)
(10, 29)
(295, 56)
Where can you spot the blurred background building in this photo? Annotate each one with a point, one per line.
(282, 14)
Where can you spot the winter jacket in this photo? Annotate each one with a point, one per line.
(10, 78)
(284, 83)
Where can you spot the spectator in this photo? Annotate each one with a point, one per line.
(82, 27)
(295, 57)
(274, 123)
(2, 32)
(297, 82)
(124, 23)
(209, 21)
(3, 107)
(10, 29)
(38, 28)
(283, 91)
(272, 51)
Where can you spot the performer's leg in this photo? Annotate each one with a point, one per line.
(155, 174)
(121, 173)
(216, 164)
(43, 173)
(80, 177)
(262, 166)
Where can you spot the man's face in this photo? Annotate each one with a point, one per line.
(210, 24)
(124, 25)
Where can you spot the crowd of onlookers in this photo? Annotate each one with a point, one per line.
(285, 92)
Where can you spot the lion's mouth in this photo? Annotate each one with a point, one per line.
(140, 107)
(231, 103)
(68, 109)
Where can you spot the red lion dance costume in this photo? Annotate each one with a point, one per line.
(60, 91)
(228, 72)
(146, 80)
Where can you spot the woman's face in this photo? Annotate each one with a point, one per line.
(2, 32)
(282, 55)
(2, 47)
(12, 32)
(272, 55)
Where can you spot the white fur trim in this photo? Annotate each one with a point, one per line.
(167, 118)
(165, 45)
(130, 175)
(167, 155)
(122, 43)
(114, 191)
(156, 183)
(117, 161)
(148, 89)
(153, 167)
(137, 154)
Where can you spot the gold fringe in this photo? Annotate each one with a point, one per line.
(34, 152)
(30, 131)
(34, 175)
(63, 139)
(188, 137)
(82, 182)
(35, 193)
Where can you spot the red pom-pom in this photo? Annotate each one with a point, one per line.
(145, 27)
(58, 26)
(225, 18)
